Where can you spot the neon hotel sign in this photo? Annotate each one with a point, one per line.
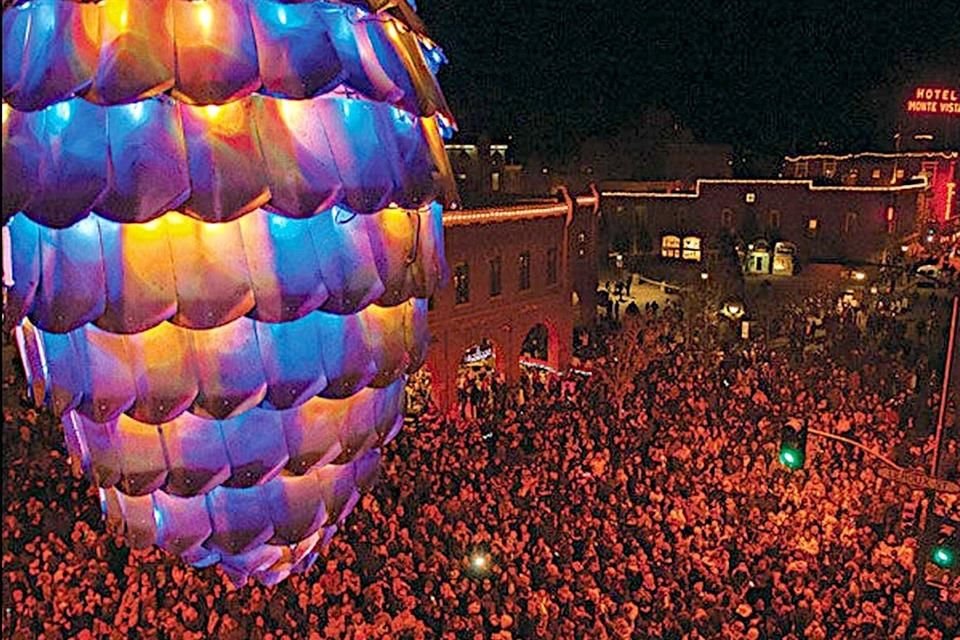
(935, 101)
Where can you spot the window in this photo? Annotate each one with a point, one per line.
(495, 181)
(802, 169)
(670, 246)
(431, 304)
(829, 168)
(900, 174)
(461, 283)
(812, 226)
(875, 174)
(691, 248)
(891, 220)
(774, 219)
(751, 198)
(928, 169)
(726, 218)
(551, 266)
(581, 245)
(496, 267)
(524, 264)
(849, 222)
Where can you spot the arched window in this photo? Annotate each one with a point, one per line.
(461, 283)
(524, 270)
(496, 268)
(552, 270)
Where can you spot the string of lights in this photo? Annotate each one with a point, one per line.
(919, 183)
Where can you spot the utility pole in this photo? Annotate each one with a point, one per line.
(876, 454)
(928, 504)
(945, 390)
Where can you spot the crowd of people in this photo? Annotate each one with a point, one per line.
(569, 508)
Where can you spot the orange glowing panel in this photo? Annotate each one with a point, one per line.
(136, 51)
(215, 51)
(226, 167)
(299, 163)
(138, 263)
(163, 369)
(213, 283)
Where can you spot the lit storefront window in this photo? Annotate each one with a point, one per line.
(670, 247)
(691, 248)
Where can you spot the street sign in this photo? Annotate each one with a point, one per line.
(919, 480)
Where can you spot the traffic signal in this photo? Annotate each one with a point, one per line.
(944, 557)
(793, 444)
(946, 545)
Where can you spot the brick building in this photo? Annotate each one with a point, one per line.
(830, 207)
(935, 206)
(513, 268)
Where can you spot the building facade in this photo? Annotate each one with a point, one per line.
(482, 168)
(936, 205)
(823, 221)
(513, 270)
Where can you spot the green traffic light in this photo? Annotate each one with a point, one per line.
(791, 458)
(944, 557)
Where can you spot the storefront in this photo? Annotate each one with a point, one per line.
(784, 256)
(758, 259)
(479, 357)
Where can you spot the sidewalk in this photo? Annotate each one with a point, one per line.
(641, 292)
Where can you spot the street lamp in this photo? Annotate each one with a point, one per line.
(478, 563)
(732, 309)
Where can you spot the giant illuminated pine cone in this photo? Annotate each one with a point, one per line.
(225, 219)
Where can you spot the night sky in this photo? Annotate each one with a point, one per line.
(771, 76)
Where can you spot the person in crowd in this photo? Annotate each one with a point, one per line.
(653, 509)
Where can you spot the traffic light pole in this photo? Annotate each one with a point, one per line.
(944, 391)
(947, 370)
(879, 456)
(927, 506)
